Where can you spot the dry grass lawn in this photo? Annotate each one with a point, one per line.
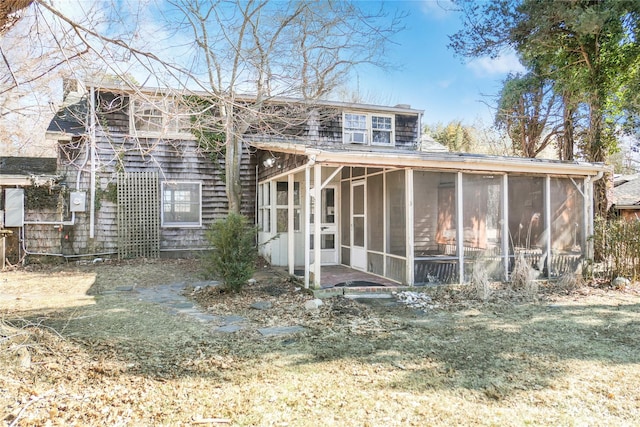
(74, 352)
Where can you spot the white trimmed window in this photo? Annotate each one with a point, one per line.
(181, 204)
(159, 117)
(355, 129)
(381, 130)
(368, 129)
(282, 206)
(264, 204)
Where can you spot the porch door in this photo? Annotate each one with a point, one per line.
(358, 226)
(328, 227)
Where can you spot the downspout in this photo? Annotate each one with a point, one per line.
(92, 147)
(419, 131)
(307, 220)
(459, 228)
(547, 226)
(589, 213)
(61, 223)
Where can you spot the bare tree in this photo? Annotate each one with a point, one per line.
(229, 60)
(35, 53)
(528, 112)
(271, 50)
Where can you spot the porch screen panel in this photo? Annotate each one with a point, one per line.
(527, 219)
(345, 215)
(396, 209)
(481, 218)
(138, 215)
(434, 227)
(375, 224)
(375, 213)
(567, 225)
(375, 263)
(396, 269)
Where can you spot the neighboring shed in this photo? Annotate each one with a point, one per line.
(626, 197)
(31, 179)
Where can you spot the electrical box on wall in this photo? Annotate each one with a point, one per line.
(13, 207)
(78, 201)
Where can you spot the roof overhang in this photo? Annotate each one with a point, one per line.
(441, 161)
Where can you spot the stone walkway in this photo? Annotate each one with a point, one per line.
(171, 297)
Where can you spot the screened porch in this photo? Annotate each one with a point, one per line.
(425, 225)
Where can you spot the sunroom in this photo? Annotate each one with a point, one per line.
(422, 218)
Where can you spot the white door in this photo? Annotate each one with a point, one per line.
(358, 226)
(328, 227)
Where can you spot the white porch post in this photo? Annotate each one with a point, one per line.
(307, 226)
(409, 214)
(291, 245)
(317, 223)
(588, 218)
(385, 224)
(459, 228)
(505, 225)
(547, 222)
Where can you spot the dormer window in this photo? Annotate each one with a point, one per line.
(368, 129)
(355, 129)
(160, 118)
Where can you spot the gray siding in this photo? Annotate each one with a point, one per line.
(174, 160)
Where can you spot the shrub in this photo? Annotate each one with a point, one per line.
(617, 247)
(523, 277)
(480, 280)
(233, 255)
(570, 282)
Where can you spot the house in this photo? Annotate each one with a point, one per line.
(328, 183)
(625, 197)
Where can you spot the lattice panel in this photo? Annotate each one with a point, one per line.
(138, 215)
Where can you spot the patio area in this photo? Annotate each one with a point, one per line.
(342, 280)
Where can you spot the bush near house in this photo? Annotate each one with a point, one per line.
(233, 255)
(617, 244)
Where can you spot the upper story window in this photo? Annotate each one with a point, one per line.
(368, 129)
(181, 204)
(160, 117)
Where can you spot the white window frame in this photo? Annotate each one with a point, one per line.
(390, 130)
(164, 110)
(181, 224)
(264, 205)
(357, 128)
(297, 209)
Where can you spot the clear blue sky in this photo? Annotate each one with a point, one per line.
(430, 77)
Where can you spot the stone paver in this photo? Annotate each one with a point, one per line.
(172, 298)
(228, 329)
(280, 330)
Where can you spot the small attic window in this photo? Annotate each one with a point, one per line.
(160, 117)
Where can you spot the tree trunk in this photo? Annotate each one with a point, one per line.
(597, 152)
(566, 150)
(233, 156)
